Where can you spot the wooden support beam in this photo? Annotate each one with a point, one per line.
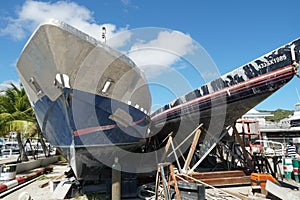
(161, 180)
(172, 174)
(157, 183)
(192, 150)
(170, 139)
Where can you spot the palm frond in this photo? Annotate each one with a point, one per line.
(16, 113)
(21, 126)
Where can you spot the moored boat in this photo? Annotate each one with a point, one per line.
(295, 118)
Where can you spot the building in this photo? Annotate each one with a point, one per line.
(282, 131)
(257, 116)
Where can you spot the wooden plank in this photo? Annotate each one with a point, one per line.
(282, 192)
(58, 178)
(237, 195)
(217, 174)
(207, 185)
(228, 181)
(218, 180)
(61, 190)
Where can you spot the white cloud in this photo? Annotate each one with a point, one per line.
(154, 57)
(32, 13)
(125, 2)
(6, 84)
(158, 55)
(116, 37)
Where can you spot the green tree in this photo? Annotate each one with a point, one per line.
(279, 114)
(16, 114)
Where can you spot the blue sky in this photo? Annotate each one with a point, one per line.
(232, 32)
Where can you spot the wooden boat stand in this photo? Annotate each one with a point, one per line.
(188, 160)
(167, 178)
(164, 180)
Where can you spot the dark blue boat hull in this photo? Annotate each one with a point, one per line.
(79, 124)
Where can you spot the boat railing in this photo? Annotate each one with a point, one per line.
(272, 148)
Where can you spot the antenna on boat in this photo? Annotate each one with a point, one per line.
(104, 34)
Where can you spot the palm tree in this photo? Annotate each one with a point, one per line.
(16, 114)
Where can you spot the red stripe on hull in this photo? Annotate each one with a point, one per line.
(92, 129)
(286, 71)
(100, 128)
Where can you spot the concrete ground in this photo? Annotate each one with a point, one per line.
(33, 188)
(36, 192)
